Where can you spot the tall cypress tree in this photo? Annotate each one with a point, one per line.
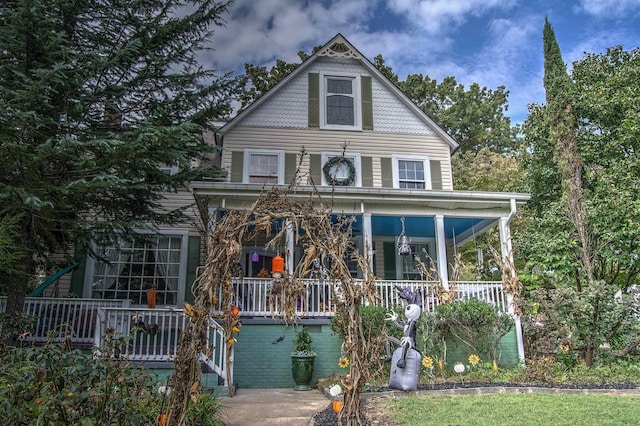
(96, 96)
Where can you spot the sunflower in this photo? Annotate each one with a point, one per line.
(343, 362)
(427, 362)
(474, 359)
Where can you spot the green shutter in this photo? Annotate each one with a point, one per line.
(367, 103)
(237, 158)
(315, 165)
(436, 174)
(366, 164)
(290, 165)
(193, 261)
(314, 100)
(387, 172)
(76, 287)
(389, 253)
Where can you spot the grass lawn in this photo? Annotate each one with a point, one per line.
(516, 409)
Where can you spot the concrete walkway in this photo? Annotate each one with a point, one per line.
(250, 407)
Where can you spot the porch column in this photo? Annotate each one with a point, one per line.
(507, 256)
(367, 238)
(290, 240)
(441, 248)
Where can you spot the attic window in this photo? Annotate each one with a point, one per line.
(340, 102)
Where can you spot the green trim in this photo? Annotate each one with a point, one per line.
(367, 103)
(387, 172)
(314, 100)
(290, 166)
(389, 253)
(436, 174)
(237, 160)
(366, 164)
(315, 166)
(193, 261)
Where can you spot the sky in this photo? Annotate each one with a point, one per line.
(490, 42)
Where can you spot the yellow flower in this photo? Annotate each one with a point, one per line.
(495, 366)
(343, 362)
(427, 362)
(474, 359)
(441, 365)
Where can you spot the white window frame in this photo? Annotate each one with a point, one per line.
(247, 158)
(353, 156)
(170, 170)
(87, 290)
(396, 173)
(357, 99)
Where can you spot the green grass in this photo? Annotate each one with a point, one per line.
(516, 409)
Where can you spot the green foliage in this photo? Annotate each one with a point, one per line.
(302, 343)
(206, 411)
(96, 98)
(475, 325)
(53, 385)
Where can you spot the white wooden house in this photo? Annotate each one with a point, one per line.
(395, 179)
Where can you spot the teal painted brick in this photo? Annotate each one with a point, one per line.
(508, 352)
(260, 360)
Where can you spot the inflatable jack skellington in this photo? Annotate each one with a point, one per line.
(405, 361)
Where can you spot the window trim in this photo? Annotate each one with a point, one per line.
(396, 172)
(357, 100)
(246, 162)
(353, 156)
(87, 289)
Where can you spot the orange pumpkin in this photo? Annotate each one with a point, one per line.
(337, 406)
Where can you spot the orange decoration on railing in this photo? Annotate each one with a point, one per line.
(277, 264)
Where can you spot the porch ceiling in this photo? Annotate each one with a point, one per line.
(465, 212)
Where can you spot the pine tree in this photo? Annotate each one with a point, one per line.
(95, 98)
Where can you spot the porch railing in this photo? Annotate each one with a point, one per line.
(153, 335)
(262, 296)
(57, 319)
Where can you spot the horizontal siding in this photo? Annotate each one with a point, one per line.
(180, 199)
(316, 141)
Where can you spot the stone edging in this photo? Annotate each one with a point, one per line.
(488, 390)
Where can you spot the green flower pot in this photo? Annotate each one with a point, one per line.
(302, 370)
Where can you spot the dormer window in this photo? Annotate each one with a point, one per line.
(340, 102)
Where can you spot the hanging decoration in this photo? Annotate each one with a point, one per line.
(255, 257)
(277, 266)
(404, 243)
(331, 168)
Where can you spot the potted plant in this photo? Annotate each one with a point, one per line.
(302, 359)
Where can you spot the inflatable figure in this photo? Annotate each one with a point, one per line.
(405, 367)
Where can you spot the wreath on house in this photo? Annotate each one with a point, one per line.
(331, 166)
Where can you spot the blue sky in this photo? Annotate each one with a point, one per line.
(490, 42)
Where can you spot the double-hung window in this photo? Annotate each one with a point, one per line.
(411, 172)
(340, 102)
(264, 166)
(341, 171)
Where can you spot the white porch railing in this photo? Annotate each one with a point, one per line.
(153, 335)
(257, 296)
(63, 318)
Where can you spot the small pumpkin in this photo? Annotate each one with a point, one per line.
(235, 311)
(337, 406)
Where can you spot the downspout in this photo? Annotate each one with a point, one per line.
(507, 255)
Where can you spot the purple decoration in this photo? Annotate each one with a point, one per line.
(255, 257)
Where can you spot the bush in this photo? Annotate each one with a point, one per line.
(474, 325)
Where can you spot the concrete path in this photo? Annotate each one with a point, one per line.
(252, 407)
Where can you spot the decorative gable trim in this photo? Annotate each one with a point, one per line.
(339, 49)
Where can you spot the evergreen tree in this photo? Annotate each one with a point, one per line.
(96, 96)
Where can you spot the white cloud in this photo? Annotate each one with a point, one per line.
(438, 16)
(609, 8)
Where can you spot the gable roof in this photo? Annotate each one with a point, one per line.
(339, 46)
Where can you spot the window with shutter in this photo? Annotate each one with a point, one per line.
(263, 166)
(411, 172)
(340, 102)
